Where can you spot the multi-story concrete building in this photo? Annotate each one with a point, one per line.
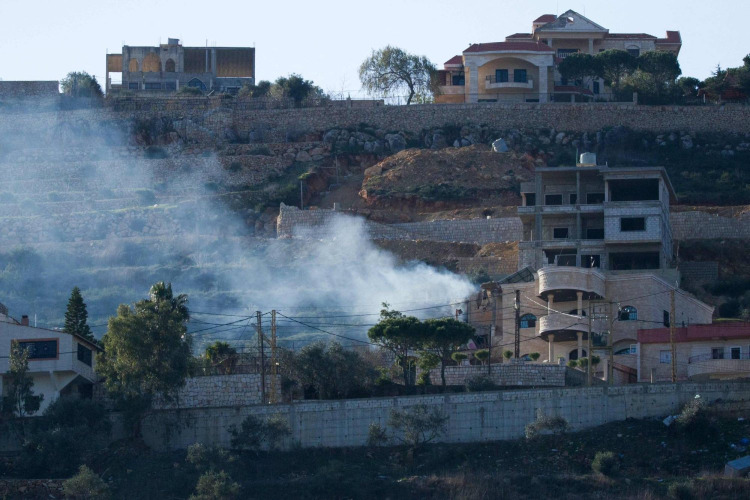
(170, 66)
(523, 68)
(596, 256)
(59, 363)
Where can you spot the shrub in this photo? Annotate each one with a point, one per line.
(693, 419)
(507, 354)
(534, 356)
(189, 91)
(85, 484)
(605, 463)
(545, 425)
(418, 425)
(204, 457)
(216, 486)
(583, 363)
(376, 435)
(572, 363)
(255, 433)
(681, 491)
(459, 357)
(595, 360)
(482, 355)
(480, 383)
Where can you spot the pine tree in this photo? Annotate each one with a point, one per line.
(76, 316)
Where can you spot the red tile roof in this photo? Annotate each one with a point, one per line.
(696, 333)
(546, 18)
(519, 35)
(631, 36)
(510, 47)
(455, 60)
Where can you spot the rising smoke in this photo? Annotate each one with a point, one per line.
(82, 205)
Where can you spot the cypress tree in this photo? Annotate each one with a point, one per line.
(76, 316)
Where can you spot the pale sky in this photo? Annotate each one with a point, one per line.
(326, 40)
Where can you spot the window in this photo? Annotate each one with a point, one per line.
(560, 233)
(563, 53)
(153, 85)
(458, 79)
(595, 233)
(501, 75)
(595, 198)
(633, 349)
(591, 261)
(572, 355)
(717, 353)
(170, 85)
(84, 354)
(635, 52)
(573, 199)
(735, 353)
(528, 321)
(628, 313)
(553, 199)
(519, 76)
(665, 356)
(632, 224)
(665, 318)
(597, 90)
(169, 66)
(133, 86)
(40, 349)
(530, 199)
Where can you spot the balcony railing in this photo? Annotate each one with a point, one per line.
(709, 357)
(492, 83)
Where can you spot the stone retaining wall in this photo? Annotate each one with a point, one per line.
(31, 488)
(473, 417)
(506, 374)
(221, 390)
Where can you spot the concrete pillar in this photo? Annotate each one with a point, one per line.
(473, 84)
(543, 83)
(606, 191)
(551, 355)
(580, 344)
(591, 46)
(579, 296)
(550, 302)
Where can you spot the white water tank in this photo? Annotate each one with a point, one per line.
(587, 160)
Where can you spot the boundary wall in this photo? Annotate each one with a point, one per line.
(473, 417)
(294, 222)
(505, 374)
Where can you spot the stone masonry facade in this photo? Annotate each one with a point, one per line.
(506, 374)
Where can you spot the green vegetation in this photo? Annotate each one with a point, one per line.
(255, 434)
(605, 463)
(81, 84)
(76, 316)
(222, 357)
(19, 399)
(391, 70)
(86, 485)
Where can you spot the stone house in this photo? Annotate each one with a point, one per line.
(595, 256)
(718, 351)
(60, 364)
(170, 66)
(523, 68)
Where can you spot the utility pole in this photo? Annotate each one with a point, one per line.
(671, 335)
(588, 351)
(262, 358)
(610, 345)
(274, 359)
(517, 341)
(301, 199)
(492, 332)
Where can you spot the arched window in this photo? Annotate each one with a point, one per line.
(573, 355)
(628, 313)
(169, 66)
(133, 65)
(151, 64)
(528, 321)
(575, 312)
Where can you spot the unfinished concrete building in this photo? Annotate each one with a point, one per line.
(169, 67)
(596, 256)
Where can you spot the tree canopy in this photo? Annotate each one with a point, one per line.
(81, 84)
(398, 334)
(391, 70)
(614, 66)
(295, 87)
(19, 399)
(76, 316)
(579, 66)
(444, 336)
(147, 351)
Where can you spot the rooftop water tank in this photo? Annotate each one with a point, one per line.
(587, 160)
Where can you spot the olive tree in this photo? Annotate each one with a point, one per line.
(391, 69)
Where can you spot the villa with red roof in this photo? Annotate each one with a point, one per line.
(523, 68)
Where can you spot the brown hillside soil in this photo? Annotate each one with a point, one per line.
(428, 180)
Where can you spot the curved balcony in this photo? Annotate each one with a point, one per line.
(564, 282)
(704, 369)
(564, 326)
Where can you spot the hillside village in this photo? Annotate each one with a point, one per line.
(521, 284)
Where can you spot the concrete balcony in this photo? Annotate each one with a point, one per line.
(565, 327)
(452, 89)
(490, 84)
(704, 368)
(561, 281)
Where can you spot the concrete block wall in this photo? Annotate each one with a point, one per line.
(221, 390)
(473, 417)
(506, 374)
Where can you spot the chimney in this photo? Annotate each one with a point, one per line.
(24, 320)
